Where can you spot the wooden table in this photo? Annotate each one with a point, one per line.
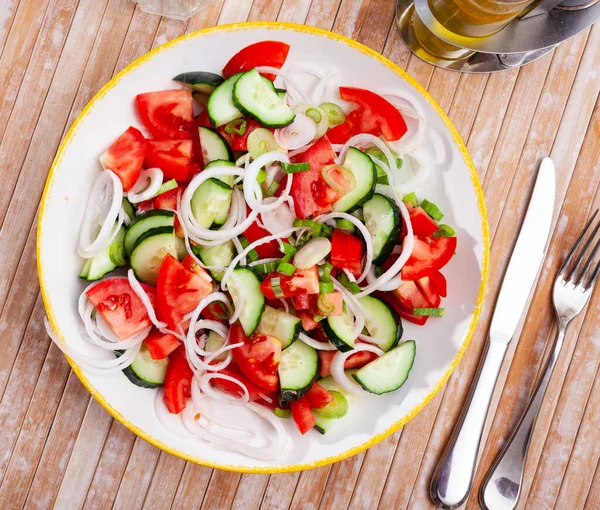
(59, 448)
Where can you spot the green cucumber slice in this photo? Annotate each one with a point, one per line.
(200, 81)
(213, 145)
(220, 255)
(382, 219)
(365, 175)
(220, 107)
(155, 218)
(382, 322)
(245, 282)
(297, 370)
(280, 324)
(149, 251)
(145, 371)
(339, 330)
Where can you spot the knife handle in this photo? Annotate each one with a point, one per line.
(453, 476)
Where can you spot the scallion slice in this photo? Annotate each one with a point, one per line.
(411, 198)
(286, 268)
(323, 304)
(276, 287)
(272, 189)
(262, 175)
(432, 209)
(317, 227)
(116, 253)
(335, 115)
(288, 249)
(344, 224)
(261, 141)
(237, 127)
(166, 186)
(292, 168)
(265, 267)
(445, 231)
(325, 287)
(428, 312)
(282, 413)
(314, 114)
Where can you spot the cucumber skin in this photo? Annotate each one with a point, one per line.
(147, 214)
(199, 80)
(262, 308)
(334, 339)
(130, 374)
(220, 136)
(397, 320)
(151, 233)
(370, 194)
(388, 247)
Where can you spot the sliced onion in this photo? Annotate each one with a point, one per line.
(316, 344)
(337, 369)
(102, 210)
(419, 165)
(339, 178)
(291, 154)
(252, 190)
(141, 293)
(297, 134)
(147, 185)
(207, 389)
(321, 124)
(294, 91)
(279, 219)
(414, 117)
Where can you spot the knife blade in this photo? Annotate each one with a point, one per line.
(527, 256)
(453, 477)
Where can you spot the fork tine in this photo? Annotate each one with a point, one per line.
(589, 262)
(567, 261)
(578, 266)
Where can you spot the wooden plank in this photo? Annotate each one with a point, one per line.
(165, 480)
(221, 490)
(191, 487)
(250, 492)
(264, 10)
(593, 499)
(8, 10)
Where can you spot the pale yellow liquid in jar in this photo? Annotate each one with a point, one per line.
(476, 18)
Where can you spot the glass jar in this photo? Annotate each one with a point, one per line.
(177, 9)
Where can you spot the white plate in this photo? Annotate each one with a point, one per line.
(454, 187)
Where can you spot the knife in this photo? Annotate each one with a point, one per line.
(453, 476)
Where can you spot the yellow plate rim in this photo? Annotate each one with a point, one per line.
(480, 205)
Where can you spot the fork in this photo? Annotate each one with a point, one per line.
(572, 290)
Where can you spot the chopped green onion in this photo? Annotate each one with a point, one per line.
(262, 175)
(326, 287)
(325, 272)
(288, 249)
(326, 231)
(282, 413)
(317, 227)
(445, 231)
(244, 242)
(314, 114)
(432, 209)
(428, 312)
(318, 318)
(276, 287)
(335, 115)
(399, 163)
(411, 198)
(292, 168)
(336, 409)
(237, 126)
(166, 186)
(351, 286)
(344, 224)
(116, 253)
(272, 189)
(253, 255)
(286, 268)
(323, 305)
(219, 311)
(261, 141)
(265, 267)
(285, 258)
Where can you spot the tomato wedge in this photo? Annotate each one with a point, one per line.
(308, 321)
(168, 113)
(340, 134)
(178, 381)
(405, 299)
(160, 345)
(258, 357)
(438, 280)
(120, 307)
(306, 186)
(263, 53)
(357, 360)
(255, 393)
(254, 233)
(179, 290)
(173, 157)
(347, 252)
(125, 157)
(318, 396)
(427, 288)
(428, 255)
(302, 415)
(376, 115)
(422, 223)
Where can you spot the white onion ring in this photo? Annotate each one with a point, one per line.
(141, 293)
(297, 134)
(337, 369)
(88, 248)
(315, 344)
(294, 91)
(146, 186)
(207, 389)
(414, 117)
(279, 219)
(253, 191)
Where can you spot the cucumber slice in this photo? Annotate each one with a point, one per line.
(213, 145)
(246, 282)
(382, 322)
(220, 255)
(200, 81)
(336, 409)
(102, 264)
(214, 342)
(323, 424)
(220, 107)
(365, 174)
(128, 209)
(388, 372)
(145, 371)
(211, 198)
(281, 93)
(221, 217)
(339, 330)
(382, 219)
(155, 218)
(297, 370)
(149, 251)
(256, 98)
(280, 324)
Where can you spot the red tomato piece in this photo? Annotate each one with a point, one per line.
(167, 113)
(168, 199)
(215, 311)
(120, 307)
(422, 223)
(267, 250)
(263, 53)
(302, 415)
(333, 298)
(307, 280)
(305, 186)
(173, 157)
(308, 322)
(258, 358)
(178, 381)
(255, 393)
(347, 252)
(428, 255)
(377, 115)
(301, 302)
(429, 291)
(286, 287)
(179, 290)
(160, 345)
(340, 134)
(356, 360)
(438, 280)
(318, 396)
(145, 206)
(405, 299)
(125, 157)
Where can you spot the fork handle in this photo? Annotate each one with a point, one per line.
(502, 484)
